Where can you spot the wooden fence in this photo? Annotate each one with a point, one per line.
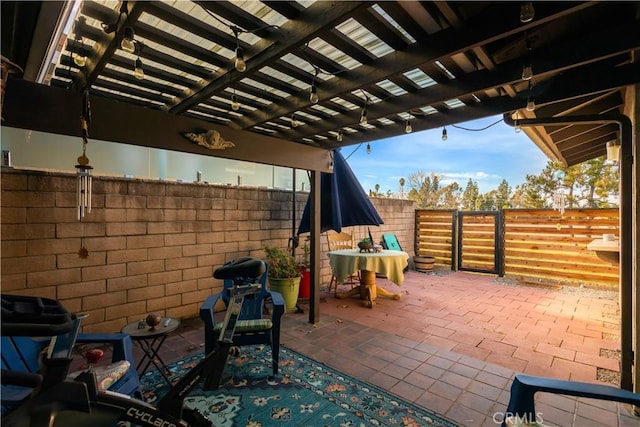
(537, 243)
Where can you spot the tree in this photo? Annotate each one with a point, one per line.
(588, 184)
(470, 196)
(503, 194)
(426, 191)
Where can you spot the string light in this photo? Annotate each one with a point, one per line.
(444, 134)
(527, 70)
(363, 116)
(80, 58)
(138, 71)
(527, 12)
(613, 152)
(110, 28)
(313, 92)
(239, 64)
(235, 105)
(127, 44)
(407, 127)
(531, 105)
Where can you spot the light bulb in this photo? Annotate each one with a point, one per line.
(613, 151)
(518, 129)
(527, 12)
(240, 65)
(313, 94)
(79, 60)
(294, 122)
(363, 117)
(340, 137)
(527, 72)
(235, 105)
(138, 71)
(444, 134)
(531, 105)
(407, 127)
(127, 43)
(368, 148)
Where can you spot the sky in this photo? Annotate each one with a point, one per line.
(487, 157)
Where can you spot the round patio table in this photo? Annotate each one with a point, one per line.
(391, 264)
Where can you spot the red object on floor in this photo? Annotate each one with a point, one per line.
(305, 285)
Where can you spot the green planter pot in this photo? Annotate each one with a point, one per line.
(288, 288)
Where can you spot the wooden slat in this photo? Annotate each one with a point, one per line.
(534, 245)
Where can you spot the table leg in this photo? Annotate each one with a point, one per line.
(150, 349)
(368, 290)
(386, 293)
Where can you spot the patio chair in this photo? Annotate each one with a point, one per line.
(252, 327)
(21, 354)
(336, 242)
(521, 406)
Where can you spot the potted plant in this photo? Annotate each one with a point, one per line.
(284, 275)
(365, 245)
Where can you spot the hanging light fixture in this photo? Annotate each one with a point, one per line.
(340, 136)
(613, 151)
(531, 105)
(110, 28)
(128, 40)
(407, 126)
(313, 91)
(527, 12)
(138, 71)
(239, 63)
(363, 116)
(235, 105)
(444, 134)
(368, 148)
(80, 57)
(313, 94)
(527, 72)
(294, 121)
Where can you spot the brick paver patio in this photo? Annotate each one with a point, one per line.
(453, 343)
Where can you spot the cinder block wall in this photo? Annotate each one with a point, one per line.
(152, 245)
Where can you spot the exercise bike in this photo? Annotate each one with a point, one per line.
(65, 403)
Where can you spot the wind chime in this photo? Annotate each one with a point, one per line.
(559, 195)
(84, 173)
(83, 168)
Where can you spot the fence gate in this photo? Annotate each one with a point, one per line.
(479, 242)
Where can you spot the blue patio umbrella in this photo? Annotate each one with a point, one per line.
(343, 201)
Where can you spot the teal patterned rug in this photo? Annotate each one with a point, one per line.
(306, 393)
